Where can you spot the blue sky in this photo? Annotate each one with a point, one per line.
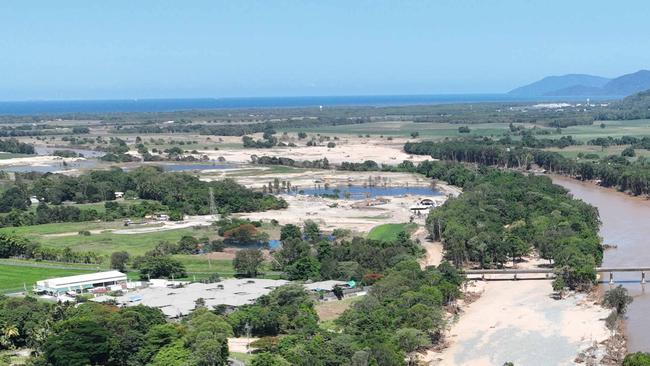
(151, 49)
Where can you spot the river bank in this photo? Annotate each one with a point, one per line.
(624, 224)
(521, 322)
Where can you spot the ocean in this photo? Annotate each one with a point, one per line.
(59, 107)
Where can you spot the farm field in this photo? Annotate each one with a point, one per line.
(637, 128)
(574, 150)
(442, 130)
(405, 128)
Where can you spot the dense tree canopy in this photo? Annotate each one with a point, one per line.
(177, 193)
(14, 146)
(501, 216)
(611, 171)
(97, 334)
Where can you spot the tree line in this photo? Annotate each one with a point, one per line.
(635, 142)
(180, 193)
(611, 171)
(12, 246)
(46, 214)
(14, 146)
(240, 129)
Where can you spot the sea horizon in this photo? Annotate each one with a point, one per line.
(152, 105)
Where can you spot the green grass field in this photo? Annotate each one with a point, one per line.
(12, 277)
(442, 130)
(573, 151)
(63, 227)
(637, 128)
(388, 232)
(15, 278)
(15, 272)
(103, 243)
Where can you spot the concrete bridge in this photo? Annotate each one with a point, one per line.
(549, 272)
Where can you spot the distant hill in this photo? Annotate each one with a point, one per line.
(636, 106)
(551, 84)
(629, 84)
(586, 85)
(576, 90)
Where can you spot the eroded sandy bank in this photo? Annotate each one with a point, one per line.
(520, 322)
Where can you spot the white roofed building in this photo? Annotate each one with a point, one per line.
(177, 302)
(80, 283)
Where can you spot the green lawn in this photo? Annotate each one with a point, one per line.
(103, 243)
(388, 232)
(12, 277)
(15, 278)
(63, 227)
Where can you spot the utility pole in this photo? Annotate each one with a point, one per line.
(248, 336)
(213, 206)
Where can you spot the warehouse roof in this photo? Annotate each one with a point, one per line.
(180, 301)
(80, 280)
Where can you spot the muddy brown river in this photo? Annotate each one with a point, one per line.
(625, 223)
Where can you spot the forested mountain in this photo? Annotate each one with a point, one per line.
(629, 84)
(586, 85)
(550, 84)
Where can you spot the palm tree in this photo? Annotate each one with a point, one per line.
(8, 332)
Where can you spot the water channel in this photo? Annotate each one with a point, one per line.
(625, 223)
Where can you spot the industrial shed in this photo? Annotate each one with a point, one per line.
(80, 283)
(180, 301)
